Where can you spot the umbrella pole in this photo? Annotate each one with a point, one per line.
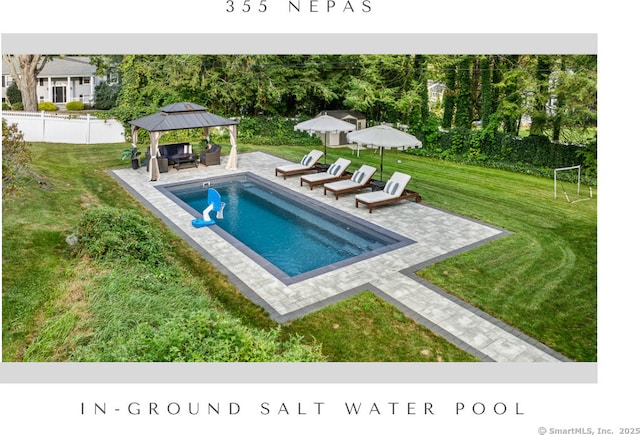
(325, 147)
(381, 152)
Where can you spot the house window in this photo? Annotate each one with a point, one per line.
(43, 81)
(86, 80)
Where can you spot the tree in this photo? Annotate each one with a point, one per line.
(574, 96)
(509, 82)
(24, 70)
(106, 92)
(106, 96)
(449, 97)
(463, 101)
(487, 106)
(539, 116)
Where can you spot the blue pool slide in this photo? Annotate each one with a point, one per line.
(215, 204)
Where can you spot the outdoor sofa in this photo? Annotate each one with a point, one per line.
(175, 153)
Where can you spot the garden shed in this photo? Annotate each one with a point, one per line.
(181, 116)
(352, 116)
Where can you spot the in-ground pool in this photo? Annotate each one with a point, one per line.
(291, 235)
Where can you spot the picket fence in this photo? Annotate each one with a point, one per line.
(65, 128)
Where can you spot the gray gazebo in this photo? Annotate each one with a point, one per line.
(181, 116)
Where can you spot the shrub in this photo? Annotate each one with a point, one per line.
(274, 130)
(47, 106)
(13, 94)
(108, 233)
(75, 105)
(207, 335)
(15, 157)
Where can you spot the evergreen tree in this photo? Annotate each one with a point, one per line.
(463, 100)
(486, 89)
(539, 114)
(449, 100)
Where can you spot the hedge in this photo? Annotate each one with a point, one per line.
(273, 131)
(531, 154)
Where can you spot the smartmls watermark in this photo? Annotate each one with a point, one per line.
(588, 431)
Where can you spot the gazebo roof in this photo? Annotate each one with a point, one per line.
(181, 116)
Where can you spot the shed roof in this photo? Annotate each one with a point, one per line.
(181, 116)
(341, 114)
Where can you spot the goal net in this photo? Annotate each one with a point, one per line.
(557, 181)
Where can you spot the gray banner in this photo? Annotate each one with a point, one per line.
(298, 373)
(167, 43)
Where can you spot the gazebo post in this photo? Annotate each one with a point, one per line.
(206, 136)
(134, 137)
(154, 168)
(232, 162)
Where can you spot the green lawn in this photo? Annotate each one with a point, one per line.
(541, 279)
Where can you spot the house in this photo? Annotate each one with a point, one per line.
(436, 91)
(71, 78)
(353, 116)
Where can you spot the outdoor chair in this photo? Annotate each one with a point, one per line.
(359, 180)
(211, 156)
(307, 164)
(394, 190)
(335, 172)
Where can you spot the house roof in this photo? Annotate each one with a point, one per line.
(341, 114)
(74, 66)
(68, 66)
(181, 116)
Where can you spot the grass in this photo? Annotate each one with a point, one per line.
(58, 307)
(541, 279)
(353, 330)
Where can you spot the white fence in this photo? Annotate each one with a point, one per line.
(58, 128)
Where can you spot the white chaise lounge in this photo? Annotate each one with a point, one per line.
(335, 172)
(394, 190)
(307, 164)
(358, 181)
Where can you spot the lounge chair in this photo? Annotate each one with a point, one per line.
(335, 172)
(358, 181)
(307, 164)
(394, 190)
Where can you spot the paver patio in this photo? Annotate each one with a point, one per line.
(390, 275)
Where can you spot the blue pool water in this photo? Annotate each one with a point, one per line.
(295, 234)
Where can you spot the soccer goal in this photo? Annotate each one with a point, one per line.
(564, 191)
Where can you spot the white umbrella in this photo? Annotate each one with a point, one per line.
(324, 124)
(383, 136)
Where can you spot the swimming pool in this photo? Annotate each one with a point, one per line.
(292, 236)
